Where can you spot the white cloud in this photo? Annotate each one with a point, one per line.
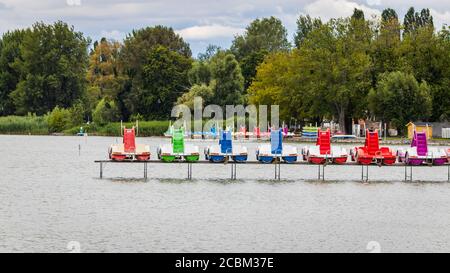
(440, 18)
(114, 35)
(328, 9)
(209, 32)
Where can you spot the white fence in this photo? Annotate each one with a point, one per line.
(445, 132)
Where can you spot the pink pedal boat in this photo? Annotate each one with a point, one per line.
(420, 153)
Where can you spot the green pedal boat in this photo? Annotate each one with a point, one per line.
(177, 150)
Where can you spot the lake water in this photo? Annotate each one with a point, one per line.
(50, 195)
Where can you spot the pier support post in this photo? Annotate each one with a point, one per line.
(189, 171)
(233, 171)
(101, 170)
(408, 175)
(365, 173)
(278, 169)
(145, 171)
(321, 172)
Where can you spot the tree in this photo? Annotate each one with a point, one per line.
(261, 37)
(426, 56)
(228, 81)
(385, 51)
(156, 61)
(164, 79)
(206, 92)
(9, 73)
(53, 68)
(414, 20)
(105, 70)
(358, 14)
(200, 73)
(211, 50)
(305, 24)
(337, 68)
(106, 111)
(399, 98)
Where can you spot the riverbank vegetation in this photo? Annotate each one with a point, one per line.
(344, 69)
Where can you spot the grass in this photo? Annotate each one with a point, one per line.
(28, 125)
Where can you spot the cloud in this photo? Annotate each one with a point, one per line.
(328, 9)
(114, 35)
(440, 18)
(209, 32)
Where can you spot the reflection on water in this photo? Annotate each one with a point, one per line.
(51, 199)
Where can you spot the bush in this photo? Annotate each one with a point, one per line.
(105, 112)
(59, 120)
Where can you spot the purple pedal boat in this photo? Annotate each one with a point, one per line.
(420, 153)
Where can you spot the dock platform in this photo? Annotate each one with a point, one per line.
(276, 165)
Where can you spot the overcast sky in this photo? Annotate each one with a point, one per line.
(200, 22)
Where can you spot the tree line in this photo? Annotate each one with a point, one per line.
(343, 69)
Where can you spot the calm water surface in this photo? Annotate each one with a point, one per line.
(50, 195)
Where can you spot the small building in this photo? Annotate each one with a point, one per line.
(420, 127)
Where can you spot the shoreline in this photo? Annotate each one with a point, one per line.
(391, 141)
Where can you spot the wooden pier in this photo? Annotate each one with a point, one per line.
(276, 165)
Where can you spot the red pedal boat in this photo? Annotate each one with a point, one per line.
(323, 152)
(372, 152)
(129, 150)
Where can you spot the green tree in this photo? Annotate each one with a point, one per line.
(358, 14)
(305, 24)
(399, 98)
(206, 92)
(385, 51)
(105, 112)
(53, 68)
(261, 37)
(200, 73)
(156, 61)
(10, 74)
(228, 80)
(164, 80)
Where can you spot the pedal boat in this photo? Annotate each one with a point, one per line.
(372, 153)
(178, 150)
(419, 153)
(323, 153)
(225, 150)
(268, 153)
(129, 150)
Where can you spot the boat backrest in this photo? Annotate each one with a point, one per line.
(372, 142)
(178, 141)
(225, 142)
(324, 142)
(129, 140)
(276, 141)
(420, 141)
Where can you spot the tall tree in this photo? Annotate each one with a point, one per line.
(385, 51)
(399, 98)
(305, 24)
(10, 74)
(358, 14)
(228, 82)
(53, 68)
(171, 52)
(164, 79)
(261, 37)
(410, 23)
(105, 73)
